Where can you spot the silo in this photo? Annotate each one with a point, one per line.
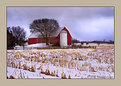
(63, 38)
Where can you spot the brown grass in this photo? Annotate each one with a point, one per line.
(63, 76)
(12, 77)
(53, 73)
(13, 64)
(59, 58)
(25, 67)
(57, 75)
(80, 58)
(69, 76)
(99, 60)
(47, 72)
(39, 68)
(113, 70)
(91, 69)
(33, 68)
(106, 60)
(19, 65)
(100, 68)
(111, 60)
(71, 64)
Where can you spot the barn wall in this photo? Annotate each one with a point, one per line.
(41, 40)
(52, 40)
(32, 40)
(68, 37)
(58, 41)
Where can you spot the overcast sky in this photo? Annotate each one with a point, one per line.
(84, 23)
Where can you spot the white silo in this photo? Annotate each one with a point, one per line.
(63, 38)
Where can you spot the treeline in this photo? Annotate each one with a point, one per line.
(77, 41)
(15, 36)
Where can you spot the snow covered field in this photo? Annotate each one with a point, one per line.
(61, 63)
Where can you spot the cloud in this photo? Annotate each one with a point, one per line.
(96, 30)
(84, 23)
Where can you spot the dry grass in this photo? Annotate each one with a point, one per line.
(19, 65)
(13, 64)
(52, 73)
(65, 58)
(99, 60)
(33, 69)
(111, 60)
(12, 77)
(47, 72)
(63, 76)
(25, 67)
(91, 69)
(69, 76)
(39, 68)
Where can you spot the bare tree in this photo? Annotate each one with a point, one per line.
(45, 26)
(18, 33)
(10, 39)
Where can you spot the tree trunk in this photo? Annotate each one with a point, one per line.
(46, 40)
(39, 40)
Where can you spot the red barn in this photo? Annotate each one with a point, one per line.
(61, 37)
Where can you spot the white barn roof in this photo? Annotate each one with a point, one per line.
(34, 35)
(37, 34)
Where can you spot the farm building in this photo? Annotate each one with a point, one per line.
(60, 37)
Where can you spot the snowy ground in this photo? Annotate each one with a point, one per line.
(61, 63)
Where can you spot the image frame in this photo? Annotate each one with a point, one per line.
(66, 6)
(111, 82)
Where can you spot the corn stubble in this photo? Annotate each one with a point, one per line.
(71, 59)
